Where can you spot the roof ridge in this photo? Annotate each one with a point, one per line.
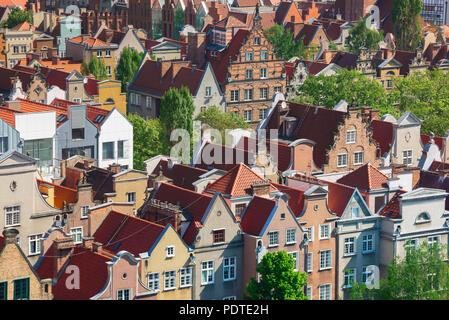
(186, 190)
(137, 218)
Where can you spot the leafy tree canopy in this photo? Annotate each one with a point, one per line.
(405, 15)
(96, 67)
(284, 44)
(127, 66)
(361, 36)
(17, 16)
(278, 280)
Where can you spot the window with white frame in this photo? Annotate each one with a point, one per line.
(412, 245)
(230, 298)
(407, 157)
(99, 53)
(295, 256)
(249, 56)
(433, 240)
(123, 294)
(355, 212)
(358, 158)
(229, 265)
(154, 281)
(309, 232)
(290, 236)
(423, 217)
(77, 234)
(277, 89)
(208, 91)
(257, 41)
(169, 280)
(108, 53)
(263, 73)
(351, 136)
(264, 55)
(273, 238)
(185, 277)
(137, 98)
(34, 244)
(148, 102)
(108, 70)
(366, 274)
(309, 267)
(248, 94)
(342, 160)
(325, 291)
(349, 247)
(349, 278)
(207, 272)
(234, 95)
(131, 196)
(84, 212)
(325, 231)
(367, 243)
(248, 115)
(170, 250)
(262, 114)
(121, 148)
(12, 216)
(309, 293)
(263, 93)
(249, 74)
(325, 259)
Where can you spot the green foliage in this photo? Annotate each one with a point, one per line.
(176, 113)
(127, 66)
(17, 16)
(278, 280)
(423, 274)
(221, 121)
(85, 68)
(405, 15)
(332, 45)
(345, 85)
(361, 36)
(157, 30)
(284, 44)
(147, 139)
(97, 68)
(178, 22)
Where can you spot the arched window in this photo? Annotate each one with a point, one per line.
(423, 217)
(390, 73)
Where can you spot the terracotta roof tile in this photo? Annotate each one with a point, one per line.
(182, 175)
(338, 197)
(366, 177)
(256, 215)
(296, 201)
(438, 140)
(9, 116)
(392, 209)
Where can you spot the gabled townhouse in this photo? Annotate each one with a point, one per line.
(344, 144)
(312, 35)
(84, 47)
(69, 28)
(167, 262)
(116, 276)
(417, 216)
(145, 91)
(18, 42)
(269, 225)
(208, 226)
(287, 11)
(18, 279)
(23, 206)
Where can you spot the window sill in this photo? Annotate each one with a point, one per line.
(169, 289)
(273, 246)
(349, 254)
(423, 222)
(206, 284)
(368, 252)
(228, 280)
(325, 238)
(290, 243)
(84, 218)
(325, 269)
(13, 225)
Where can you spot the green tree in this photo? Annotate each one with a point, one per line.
(17, 16)
(361, 36)
(176, 113)
(284, 44)
(157, 30)
(147, 139)
(333, 45)
(427, 96)
(85, 68)
(423, 274)
(98, 68)
(178, 22)
(221, 121)
(278, 280)
(127, 66)
(405, 16)
(345, 85)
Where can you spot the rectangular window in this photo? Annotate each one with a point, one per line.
(131, 196)
(170, 250)
(366, 275)
(3, 144)
(248, 94)
(342, 160)
(78, 134)
(84, 211)
(325, 291)
(349, 246)
(349, 278)
(123, 294)
(367, 243)
(169, 280)
(264, 55)
(108, 70)
(358, 158)
(234, 95)
(248, 115)
(294, 255)
(153, 281)
(433, 240)
(99, 53)
(355, 212)
(239, 208)
(325, 259)
(309, 293)
(325, 231)
(263, 93)
(148, 102)
(229, 266)
(277, 89)
(121, 149)
(262, 114)
(108, 53)
(12, 63)
(22, 289)
(185, 277)
(389, 84)
(249, 56)
(207, 272)
(3, 290)
(15, 49)
(350, 136)
(413, 245)
(257, 41)
(249, 74)
(290, 236)
(12, 216)
(203, 108)
(34, 244)
(108, 150)
(273, 239)
(263, 73)
(137, 97)
(219, 236)
(309, 232)
(77, 234)
(208, 91)
(309, 267)
(407, 157)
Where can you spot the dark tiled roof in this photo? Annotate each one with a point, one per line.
(438, 140)
(338, 197)
(256, 215)
(435, 180)
(392, 209)
(183, 176)
(225, 163)
(383, 134)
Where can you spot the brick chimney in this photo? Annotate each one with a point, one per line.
(165, 66)
(52, 52)
(88, 242)
(328, 55)
(97, 247)
(13, 105)
(260, 188)
(63, 249)
(114, 168)
(10, 235)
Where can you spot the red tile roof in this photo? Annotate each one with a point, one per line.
(182, 175)
(256, 215)
(391, 209)
(366, 177)
(91, 42)
(8, 115)
(236, 182)
(24, 26)
(438, 140)
(338, 197)
(2, 242)
(119, 232)
(383, 133)
(237, 154)
(296, 201)
(438, 165)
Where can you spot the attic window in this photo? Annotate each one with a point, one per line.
(99, 118)
(423, 217)
(61, 118)
(282, 216)
(219, 236)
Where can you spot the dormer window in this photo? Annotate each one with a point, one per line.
(423, 217)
